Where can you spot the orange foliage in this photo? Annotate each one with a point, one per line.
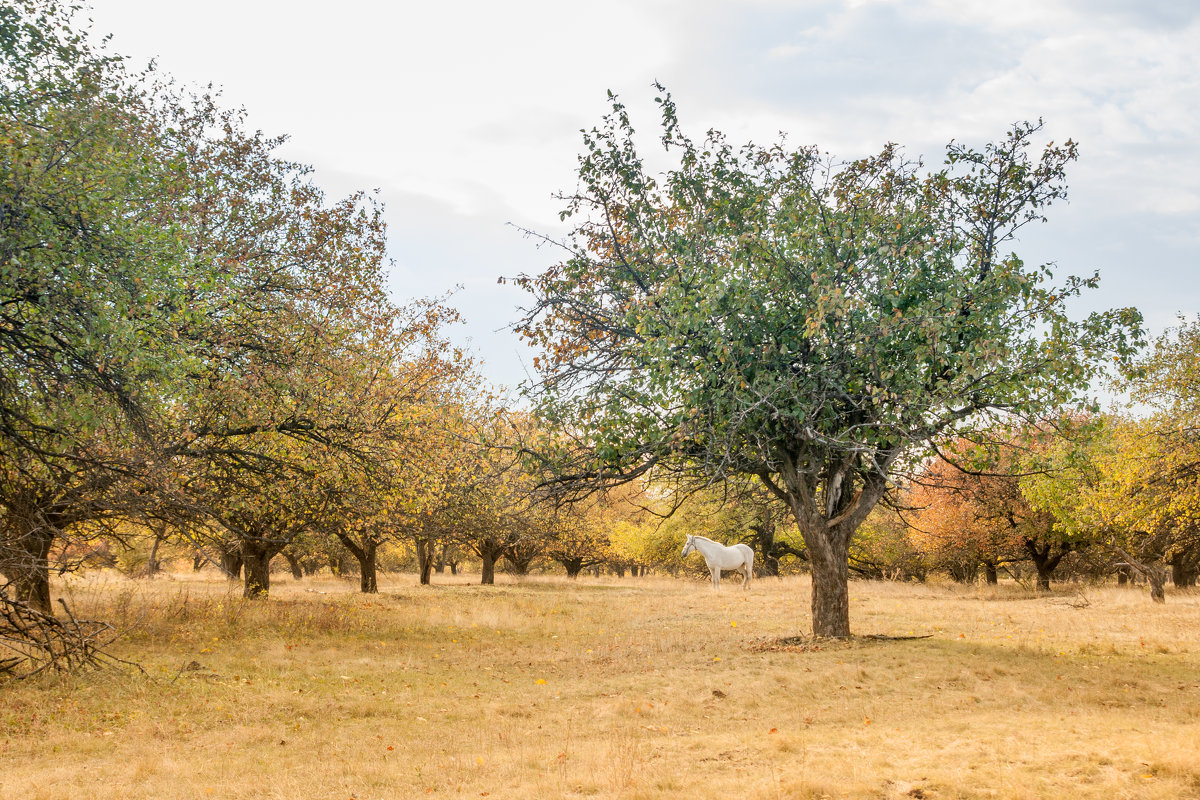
(963, 517)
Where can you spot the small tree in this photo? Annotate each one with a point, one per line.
(485, 504)
(1129, 485)
(417, 404)
(575, 536)
(1166, 496)
(969, 509)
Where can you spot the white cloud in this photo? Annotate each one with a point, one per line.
(466, 114)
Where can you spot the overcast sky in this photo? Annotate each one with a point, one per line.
(466, 115)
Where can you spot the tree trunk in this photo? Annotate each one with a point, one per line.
(573, 566)
(829, 560)
(1043, 579)
(1156, 579)
(368, 575)
(294, 564)
(489, 567)
(989, 571)
(231, 562)
(153, 567)
(764, 542)
(830, 563)
(963, 571)
(1122, 575)
(424, 560)
(827, 527)
(1155, 575)
(1044, 561)
(519, 565)
(256, 563)
(364, 551)
(27, 565)
(1183, 571)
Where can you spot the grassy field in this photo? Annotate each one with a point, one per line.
(640, 688)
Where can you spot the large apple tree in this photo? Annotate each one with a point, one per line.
(773, 312)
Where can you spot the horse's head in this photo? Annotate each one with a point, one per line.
(689, 546)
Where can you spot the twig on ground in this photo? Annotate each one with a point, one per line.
(38, 642)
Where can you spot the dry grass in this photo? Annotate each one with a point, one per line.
(634, 689)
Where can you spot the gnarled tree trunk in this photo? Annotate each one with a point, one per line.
(424, 559)
(489, 552)
(256, 564)
(364, 551)
(518, 564)
(829, 559)
(1183, 570)
(1045, 560)
(26, 562)
(768, 550)
(488, 569)
(1155, 575)
(153, 565)
(294, 565)
(231, 561)
(368, 571)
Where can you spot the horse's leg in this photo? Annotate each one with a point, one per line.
(747, 573)
(716, 576)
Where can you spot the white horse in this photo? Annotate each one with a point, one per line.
(719, 557)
